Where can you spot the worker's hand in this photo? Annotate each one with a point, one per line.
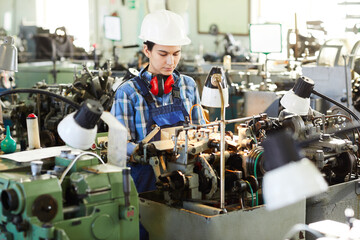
(135, 151)
(135, 155)
(131, 148)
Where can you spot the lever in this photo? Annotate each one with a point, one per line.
(126, 185)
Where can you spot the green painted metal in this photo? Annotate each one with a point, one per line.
(30, 73)
(85, 161)
(88, 205)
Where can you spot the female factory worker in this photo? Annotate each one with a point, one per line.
(159, 94)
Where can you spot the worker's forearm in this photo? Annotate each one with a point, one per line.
(130, 148)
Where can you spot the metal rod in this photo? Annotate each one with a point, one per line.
(226, 122)
(242, 119)
(346, 82)
(222, 165)
(222, 145)
(71, 209)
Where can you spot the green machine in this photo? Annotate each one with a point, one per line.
(89, 200)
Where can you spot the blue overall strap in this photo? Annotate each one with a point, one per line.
(144, 91)
(143, 175)
(173, 114)
(178, 101)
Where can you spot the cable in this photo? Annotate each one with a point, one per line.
(336, 103)
(74, 161)
(40, 91)
(253, 136)
(202, 111)
(252, 193)
(256, 160)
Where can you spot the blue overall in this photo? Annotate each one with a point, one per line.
(170, 115)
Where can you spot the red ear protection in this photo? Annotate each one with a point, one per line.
(159, 86)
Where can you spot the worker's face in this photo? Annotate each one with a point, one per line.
(163, 59)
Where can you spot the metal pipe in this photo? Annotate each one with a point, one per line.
(226, 122)
(202, 208)
(242, 119)
(71, 209)
(126, 185)
(205, 125)
(222, 144)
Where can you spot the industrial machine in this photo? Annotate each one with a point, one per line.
(92, 201)
(95, 85)
(187, 168)
(39, 44)
(187, 165)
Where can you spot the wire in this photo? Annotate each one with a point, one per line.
(336, 103)
(202, 111)
(40, 91)
(74, 161)
(252, 193)
(256, 160)
(253, 135)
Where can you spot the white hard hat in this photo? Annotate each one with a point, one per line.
(164, 27)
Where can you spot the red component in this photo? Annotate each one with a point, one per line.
(31, 115)
(154, 86)
(130, 213)
(93, 146)
(167, 85)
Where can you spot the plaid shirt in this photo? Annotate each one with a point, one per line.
(131, 109)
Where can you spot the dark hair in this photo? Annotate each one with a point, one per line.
(149, 45)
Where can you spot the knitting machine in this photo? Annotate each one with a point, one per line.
(187, 169)
(69, 197)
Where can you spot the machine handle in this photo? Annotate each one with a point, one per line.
(126, 185)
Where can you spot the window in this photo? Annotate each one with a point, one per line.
(73, 15)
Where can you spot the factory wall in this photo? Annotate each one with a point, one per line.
(15, 12)
(130, 24)
(131, 21)
(131, 12)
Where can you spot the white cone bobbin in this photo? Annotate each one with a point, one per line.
(33, 131)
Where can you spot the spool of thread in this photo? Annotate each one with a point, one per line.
(33, 131)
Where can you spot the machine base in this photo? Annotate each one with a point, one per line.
(166, 222)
